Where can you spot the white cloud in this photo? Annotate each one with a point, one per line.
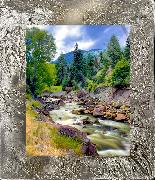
(62, 32)
(122, 40)
(86, 44)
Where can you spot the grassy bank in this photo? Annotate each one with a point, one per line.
(42, 139)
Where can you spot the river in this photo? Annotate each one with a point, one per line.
(110, 137)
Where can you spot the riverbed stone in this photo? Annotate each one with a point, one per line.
(99, 110)
(120, 117)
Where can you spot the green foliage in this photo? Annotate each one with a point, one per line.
(36, 103)
(121, 73)
(100, 76)
(77, 68)
(46, 77)
(114, 50)
(105, 59)
(127, 50)
(40, 48)
(39, 45)
(65, 82)
(91, 66)
(28, 96)
(52, 89)
(64, 142)
(108, 79)
(91, 86)
(62, 71)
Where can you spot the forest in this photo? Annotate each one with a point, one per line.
(65, 111)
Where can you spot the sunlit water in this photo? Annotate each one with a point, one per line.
(110, 137)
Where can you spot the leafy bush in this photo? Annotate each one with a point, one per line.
(91, 86)
(101, 74)
(108, 79)
(52, 89)
(121, 73)
(36, 103)
(28, 96)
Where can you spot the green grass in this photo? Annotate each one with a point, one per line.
(64, 142)
(41, 134)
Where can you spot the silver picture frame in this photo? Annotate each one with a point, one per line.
(14, 17)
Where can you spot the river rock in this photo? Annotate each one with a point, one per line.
(78, 111)
(61, 102)
(120, 117)
(68, 89)
(99, 110)
(71, 132)
(81, 93)
(88, 148)
(87, 121)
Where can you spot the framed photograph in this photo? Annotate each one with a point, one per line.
(77, 90)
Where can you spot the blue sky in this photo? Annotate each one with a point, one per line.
(87, 36)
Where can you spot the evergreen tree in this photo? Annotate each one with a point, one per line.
(104, 59)
(91, 66)
(62, 69)
(77, 67)
(127, 50)
(114, 50)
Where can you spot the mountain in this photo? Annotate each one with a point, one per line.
(70, 55)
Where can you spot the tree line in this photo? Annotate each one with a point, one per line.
(110, 68)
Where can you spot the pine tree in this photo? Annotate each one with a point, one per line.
(77, 67)
(127, 50)
(62, 69)
(114, 50)
(91, 69)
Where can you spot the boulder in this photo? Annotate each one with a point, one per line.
(87, 111)
(61, 102)
(78, 111)
(99, 110)
(71, 132)
(88, 148)
(120, 117)
(81, 93)
(68, 89)
(87, 121)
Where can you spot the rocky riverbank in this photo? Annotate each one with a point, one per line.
(80, 115)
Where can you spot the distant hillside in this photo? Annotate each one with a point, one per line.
(70, 55)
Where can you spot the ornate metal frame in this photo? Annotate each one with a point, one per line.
(14, 16)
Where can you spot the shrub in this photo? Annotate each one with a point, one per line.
(52, 89)
(121, 73)
(36, 103)
(91, 86)
(28, 96)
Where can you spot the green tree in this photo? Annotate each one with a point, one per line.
(62, 69)
(127, 50)
(121, 73)
(104, 59)
(40, 48)
(77, 68)
(114, 50)
(91, 66)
